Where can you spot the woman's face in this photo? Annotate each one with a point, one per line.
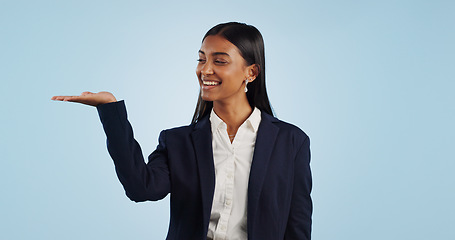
(221, 70)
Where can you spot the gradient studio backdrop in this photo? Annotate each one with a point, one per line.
(371, 82)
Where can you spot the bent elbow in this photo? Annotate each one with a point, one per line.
(145, 196)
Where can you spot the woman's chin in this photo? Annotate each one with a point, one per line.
(207, 97)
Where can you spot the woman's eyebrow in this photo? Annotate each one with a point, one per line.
(215, 53)
(220, 53)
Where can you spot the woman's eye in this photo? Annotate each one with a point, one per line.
(201, 60)
(220, 62)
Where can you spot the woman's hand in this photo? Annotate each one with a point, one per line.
(88, 98)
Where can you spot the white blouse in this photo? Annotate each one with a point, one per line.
(232, 161)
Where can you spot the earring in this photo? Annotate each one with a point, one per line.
(246, 83)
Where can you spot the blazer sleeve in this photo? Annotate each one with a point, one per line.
(299, 221)
(141, 181)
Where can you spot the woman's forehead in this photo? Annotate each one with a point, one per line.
(216, 43)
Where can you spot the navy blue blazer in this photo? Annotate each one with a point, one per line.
(279, 202)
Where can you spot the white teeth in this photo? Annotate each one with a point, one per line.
(210, 83)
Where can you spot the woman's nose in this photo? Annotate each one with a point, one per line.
(207, 69)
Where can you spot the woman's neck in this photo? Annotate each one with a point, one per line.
(233, 113)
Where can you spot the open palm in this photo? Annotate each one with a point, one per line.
(88, 98)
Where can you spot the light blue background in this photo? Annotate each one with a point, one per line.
(371, 82)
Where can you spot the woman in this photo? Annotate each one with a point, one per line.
(236, 172)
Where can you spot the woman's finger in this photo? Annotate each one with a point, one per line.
(59, 98)
(71, 98)
(65, 98)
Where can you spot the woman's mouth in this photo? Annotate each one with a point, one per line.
(210, 83)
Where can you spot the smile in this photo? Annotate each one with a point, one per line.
(210, 83)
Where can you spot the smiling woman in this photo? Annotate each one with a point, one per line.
(236, 172)
(221, 71)
(223, 75)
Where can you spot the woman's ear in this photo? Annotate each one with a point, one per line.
(253, 72)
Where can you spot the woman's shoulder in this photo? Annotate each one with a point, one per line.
(285, 127)
(188, 129)
(180, 129)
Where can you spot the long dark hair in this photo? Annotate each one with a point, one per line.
(251, 46)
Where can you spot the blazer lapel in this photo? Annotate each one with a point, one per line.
(202, 142)
(264, 146)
